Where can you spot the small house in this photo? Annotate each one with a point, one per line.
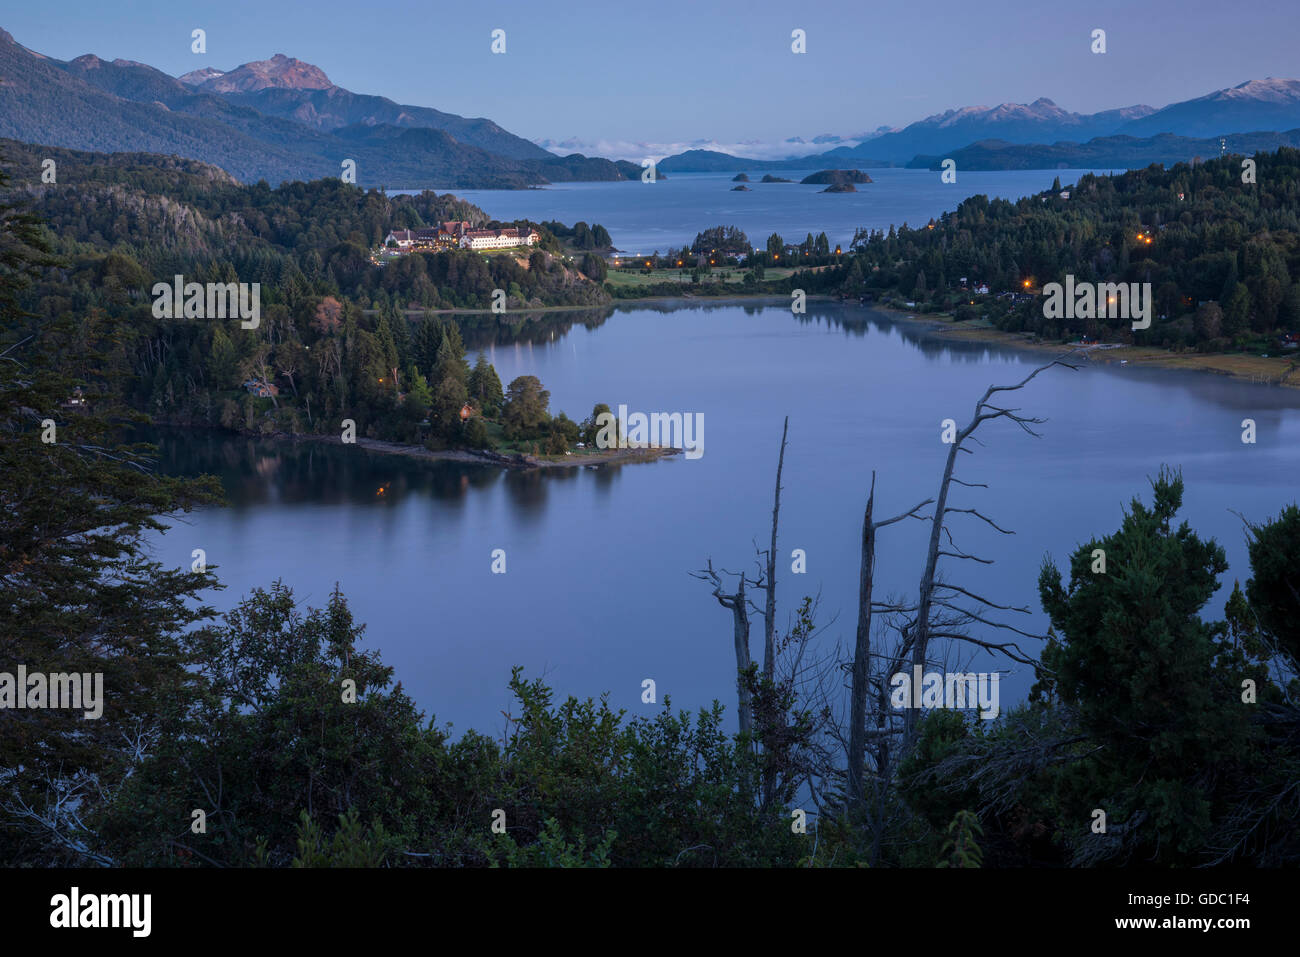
(261, 388)
(76, 400)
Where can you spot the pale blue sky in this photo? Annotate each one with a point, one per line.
(677, 70)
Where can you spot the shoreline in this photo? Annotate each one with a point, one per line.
(488, 458)
(1280, 371)
(612, 304)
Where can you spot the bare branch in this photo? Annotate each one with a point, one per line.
(985, 601)
(977, 514)
(910, 513)
(1008, 648)
(974, 558)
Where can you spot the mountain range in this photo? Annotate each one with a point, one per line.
(1106, 152)
(276, 119)
(1039, 122)
(1253, 106)
(283, 119)
(290, 89)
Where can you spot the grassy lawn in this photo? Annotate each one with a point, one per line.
(1282, 369)
(624, 278)
(980, 322)
(522, 251)
(498, 442)
(1239, 364)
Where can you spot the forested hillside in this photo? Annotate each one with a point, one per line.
(1179, 725)
(340, 335)
(1222, 255)
(93, 104)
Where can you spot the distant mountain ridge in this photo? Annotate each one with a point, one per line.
(123, 106)
(1106, 152)
(1041, 121)
(283, 72)
(1268, 104)
(283, 118)
(288, 88)
(1251, 107)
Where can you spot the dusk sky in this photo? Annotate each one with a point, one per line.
(675, 71)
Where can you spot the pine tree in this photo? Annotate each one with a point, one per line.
(428, 340)
(485, 388)
(450, 360)
(419, 396)
(79, 591)
(449, 398)
(387, 343)
(1236, 310)
(1143, 673)
(1274, 587)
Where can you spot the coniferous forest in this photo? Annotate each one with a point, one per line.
(1185, 721)
(1222, 255)
(438, 448)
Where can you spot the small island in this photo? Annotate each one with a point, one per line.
(769, 178)
(740, 189)
(740, 178)
(631, 170)
(836, 177)
(841, 188)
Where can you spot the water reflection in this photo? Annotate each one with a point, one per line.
(598, 593)
(258, 471)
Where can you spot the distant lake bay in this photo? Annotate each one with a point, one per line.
(645, 217)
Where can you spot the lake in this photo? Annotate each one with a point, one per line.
(647, 217)
(598, 594)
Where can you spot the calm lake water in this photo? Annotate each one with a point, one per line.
(643, 217)
(598, 595)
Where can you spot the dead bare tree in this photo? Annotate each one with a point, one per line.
(932, 591)
(57, 816)
(288, 357)
(776, 728)
(862, 644)
(258, 366)
(768, 582)
(939, 613)
(891, 634)
(739, 605)
(736, 603)
(801, 746)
